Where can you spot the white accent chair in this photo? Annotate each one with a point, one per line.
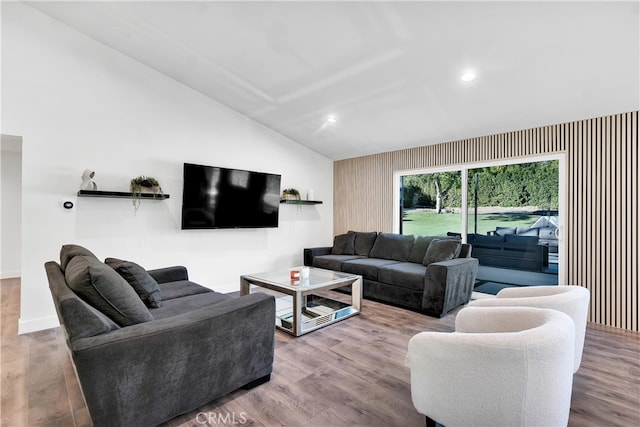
(503, 366)
(571, 300)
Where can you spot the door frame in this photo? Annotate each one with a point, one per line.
(464, 168)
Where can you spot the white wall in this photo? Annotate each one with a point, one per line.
(78, 104)
(10, 200)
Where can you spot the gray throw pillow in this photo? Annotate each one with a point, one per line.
(145, 286)
(442, 250)
(87, 321)
(344, 244)
(419, 249)
(67, 252)
(103, 288)
(364, 242)
(392, 246)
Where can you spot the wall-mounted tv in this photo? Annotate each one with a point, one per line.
(215, 197)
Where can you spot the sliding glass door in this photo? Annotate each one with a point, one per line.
(509, 211)
(519, 201)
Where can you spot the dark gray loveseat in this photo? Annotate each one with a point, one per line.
(430, 274)
(142, 366)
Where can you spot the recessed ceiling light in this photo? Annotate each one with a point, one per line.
(468, 76)
(331, 118)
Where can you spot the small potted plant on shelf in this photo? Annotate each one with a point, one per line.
(290, 194)
(143, 184)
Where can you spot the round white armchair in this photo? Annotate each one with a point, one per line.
(571, 300)
(503, 366)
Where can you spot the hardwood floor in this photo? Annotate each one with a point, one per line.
(348, 374)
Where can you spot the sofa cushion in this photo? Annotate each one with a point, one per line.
(523, 231)
(365, 267)
(520, 240)
(547, 233)
(364, 242)
(392, 246)
(67, 252)
(106, 290)
(404, 274)
(332, 262)
(189, 303)
(145, 286)
(179, 289)
(442, 250)
(482, 241)
(502, 231)
(343, 244)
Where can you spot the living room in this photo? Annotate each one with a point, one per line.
(76, 103)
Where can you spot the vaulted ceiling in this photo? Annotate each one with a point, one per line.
(389, 71)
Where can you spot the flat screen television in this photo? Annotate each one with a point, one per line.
(215, 197)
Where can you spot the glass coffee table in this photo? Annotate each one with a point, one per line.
(301, 310)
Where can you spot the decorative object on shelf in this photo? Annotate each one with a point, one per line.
(311, 195)
(87, 180)
(143, 184)
(290, 194)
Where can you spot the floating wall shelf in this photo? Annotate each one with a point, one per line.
(121, 195)
(301, 202)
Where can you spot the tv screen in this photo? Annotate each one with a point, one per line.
(216, 197)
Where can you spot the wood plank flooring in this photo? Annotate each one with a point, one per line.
(352, 373)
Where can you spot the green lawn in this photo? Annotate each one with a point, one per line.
(431, 223)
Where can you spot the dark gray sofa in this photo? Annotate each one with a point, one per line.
(409, 271)
(521, 252)
(546, 235)
(143, 366)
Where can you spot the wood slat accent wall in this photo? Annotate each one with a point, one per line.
(602, 199)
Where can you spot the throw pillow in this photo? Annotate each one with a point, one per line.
(420, 248)
(343, 244)
(392, 246)
(364, 242)
(88, 321)
(67, 252)
(442, 250)
(103, 288)
(145, 286)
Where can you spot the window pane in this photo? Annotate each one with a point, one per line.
(519, 201)
(431, 203)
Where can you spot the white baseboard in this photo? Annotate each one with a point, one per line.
(9, 274)
(34, 325)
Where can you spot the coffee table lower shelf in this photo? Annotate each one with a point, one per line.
(300, 311)
(317, 313)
